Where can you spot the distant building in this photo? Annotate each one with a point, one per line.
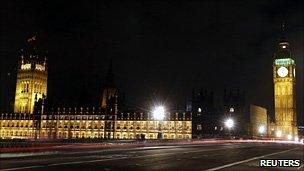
(205, 116)
(209, 116)
(235, 108)
(258, 121)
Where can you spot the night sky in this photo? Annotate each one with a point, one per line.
(160, 50)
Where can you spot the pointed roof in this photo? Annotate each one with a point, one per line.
(32, 52)
(110, 75)
(283, 32)
(283, 46)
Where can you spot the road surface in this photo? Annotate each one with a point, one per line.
(227, 156)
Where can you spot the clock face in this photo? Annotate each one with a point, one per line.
(282, 71)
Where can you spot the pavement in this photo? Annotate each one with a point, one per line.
(215, 156)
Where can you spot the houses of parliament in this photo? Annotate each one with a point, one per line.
(33, 120)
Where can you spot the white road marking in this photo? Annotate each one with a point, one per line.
(20, 168)
(13, 155)
(248, 160)
(110, 159)
(302, 166)
(82, 162)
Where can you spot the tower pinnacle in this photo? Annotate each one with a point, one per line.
(32, 76)
(283, 46)
(109, 92)
(110, 75)
(283, 32)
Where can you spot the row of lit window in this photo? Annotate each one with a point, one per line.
(15, 125)
(156, 127)
(76, 127)
(30, 77)
(93, 135)
(75, 135)
(118, 136)
(151, 136)
(15, 133)
(67, 118)
(153, 124)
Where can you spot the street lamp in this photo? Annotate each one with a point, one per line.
(289, 137)
(229, 123)
(159, 115)
(279, 133)
(262, 129)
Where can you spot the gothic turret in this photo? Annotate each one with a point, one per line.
(31, 77)
(110, 92)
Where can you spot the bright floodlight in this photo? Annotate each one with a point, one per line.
(262, 129)
(159, 113)
(229, 123)
(289, 137)
(279, 133)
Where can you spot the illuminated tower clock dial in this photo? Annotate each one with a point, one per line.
(282, 71)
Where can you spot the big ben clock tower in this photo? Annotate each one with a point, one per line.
(284, 73)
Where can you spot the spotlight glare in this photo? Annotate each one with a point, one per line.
(229, 123)
(262, 129)
(279, 133)
(159, 113)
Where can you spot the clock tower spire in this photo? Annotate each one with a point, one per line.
(284, 89)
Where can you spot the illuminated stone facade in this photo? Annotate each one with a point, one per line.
(16, 126)
(31, 82)
(90, 123)
(284, 91)
(258, 121)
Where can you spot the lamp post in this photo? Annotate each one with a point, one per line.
(261, 130)
(279, 134)
(159, 115)
(229, 123)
